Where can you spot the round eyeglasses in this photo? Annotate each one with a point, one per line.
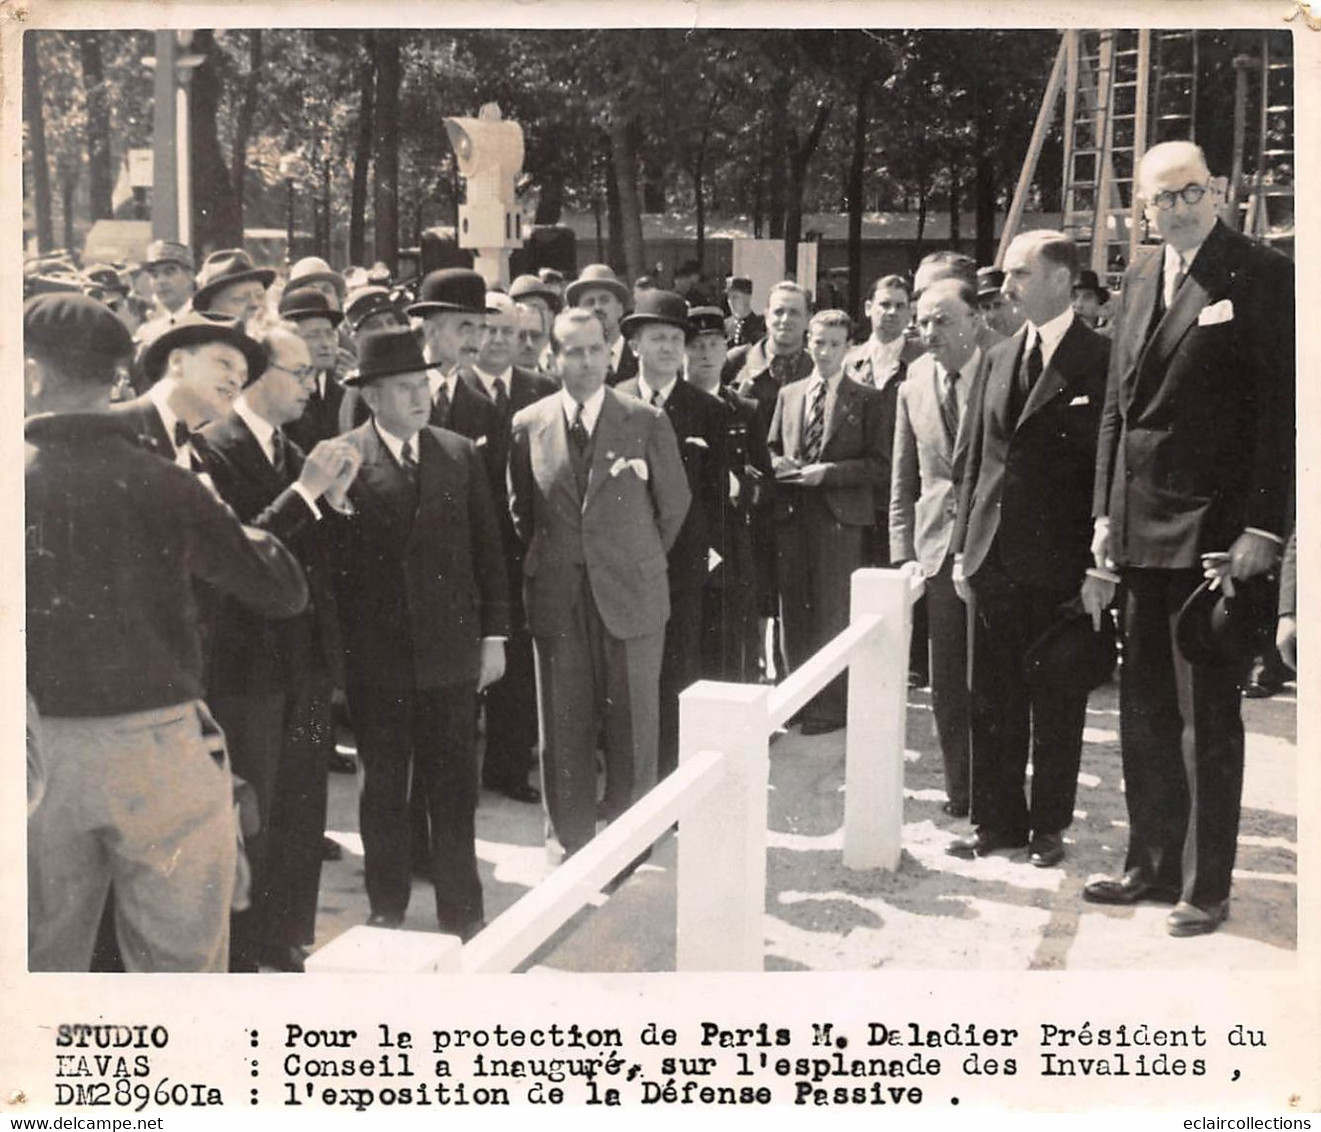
(1189, 194)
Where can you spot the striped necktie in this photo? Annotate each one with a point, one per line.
(815, 427)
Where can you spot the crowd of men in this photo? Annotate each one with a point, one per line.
(509, 527)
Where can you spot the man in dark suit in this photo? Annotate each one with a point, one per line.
(1195, 456)
(827, 447)
(511, 702)
(316, 321)
(657, 331)
(598, 493)
(599, 290)
(423, 602)
(269, 682)
(1021, 549)
(744, 326)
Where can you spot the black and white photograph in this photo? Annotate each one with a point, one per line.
(686, 512)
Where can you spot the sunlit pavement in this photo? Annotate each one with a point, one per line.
(936, 911)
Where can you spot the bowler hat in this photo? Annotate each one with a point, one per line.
(304, 303)
(450, 289)
(1072, 653)
(706, 320)
(1088, 281)
(989, 281)
(365, 302)
(596, 276)
(168, 251)
(68, 321)
(314, 269)
(658, 306)
(384, 352)
(196, 328)
(224, 269)
(527, 286)
(1216, 629)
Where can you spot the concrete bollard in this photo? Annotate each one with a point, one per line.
(363, 950)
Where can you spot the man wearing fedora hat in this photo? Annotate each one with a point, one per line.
(1021, 550)
(598, 494)
(999, 312)
(599, 290)
(313, 271)
(316, 321)
(1090, 296)
(424, 610)
(657, 332)
(532, 294)
(231, 284)
(170, 265)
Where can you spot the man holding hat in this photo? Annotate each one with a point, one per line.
(316, 320)
(424, 611)
(137, 789)
(599, 290)
(657, 331)
(231, 284)
(598, 493)
(744, 326)
(1020, 546)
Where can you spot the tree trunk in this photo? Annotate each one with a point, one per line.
(613, 252)
(550, 202)
(35, 117)
(362, 155)
(778, 151)
(955, 192)
(216, 221)
(387, 147)
(246, 116)
(798, 162)
(857, 169)
(624, 160)
(699, 203)
(100, 181)
(68, 189)
(323, 248)
(758, 199)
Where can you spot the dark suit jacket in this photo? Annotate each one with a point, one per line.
(699, 422)
(147, 425)
(248, 652)
(619, 533)
(1027, 477)
(747, 371)
(628, 367)
(420, 575)
(853, 448)
(320, 420)
(1197, 432)
(472, 414)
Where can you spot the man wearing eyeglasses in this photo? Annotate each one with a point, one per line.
(1195, 457)
(269, 682)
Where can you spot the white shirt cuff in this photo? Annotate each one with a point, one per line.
(1264, 534)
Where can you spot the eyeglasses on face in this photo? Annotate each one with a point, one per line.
(1189, 194)
(304, 374)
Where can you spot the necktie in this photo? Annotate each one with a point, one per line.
(816, 423)
(656, 399)
(441, 414)
(1176, 281)
(578, 431)
(408, 461)
(183, 435)
(782, 369)
(501, 397)
(1033, 366)
(949, 406)
(279, 455)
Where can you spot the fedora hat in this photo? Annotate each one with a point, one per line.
(527, 286)
(304, 303)
(1072, 653)
(224, 269)
(314, 269)
(450, 289)
(196, 328)
(706, 320)
(160, 252)
(1214, 628)
(1088, 281)
(385, 352)
(599, 276)
(664, 307)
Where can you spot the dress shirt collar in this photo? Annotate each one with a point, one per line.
(159, 395)
(488, 380)
(831, 383)
(396, 444)
(258, 425)
(1051, 334)
(967, 371)
(436, 377)
(645, 390)
(1176, 260)
(591, 408)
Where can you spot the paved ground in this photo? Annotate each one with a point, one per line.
(936, 911)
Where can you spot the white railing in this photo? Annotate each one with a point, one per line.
(718, 795)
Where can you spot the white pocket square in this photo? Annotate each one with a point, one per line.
(1083, 400)
(479, 442)
(696, 440)
(1223, 311)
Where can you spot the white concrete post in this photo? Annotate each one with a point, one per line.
(361, 950)
(721, 898)
(874, 743)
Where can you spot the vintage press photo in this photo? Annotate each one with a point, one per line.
(823, 906)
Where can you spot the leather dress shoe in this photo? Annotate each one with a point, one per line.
(1046, 850)
(1189, 919)
(383, 920)
(288, 958)
(955, 809)
(330, 849)
(518, 791)
(341, 763)
(981, 842)
(1127, 889)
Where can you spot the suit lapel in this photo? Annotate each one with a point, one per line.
(553, 436)
(608, 423)
(384, 483)
(248, 454)
(1055, 377)
(792, 421)
(1206, 278)
(844, 396)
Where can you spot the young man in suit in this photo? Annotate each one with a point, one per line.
(511, 703)
(598, 493)
(424, 610)
(928, 437)
(1195, 457)
(269, 682)
(657, 331)
(316, 321)
(599, 290)
(1020, 547)
(828, 451)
